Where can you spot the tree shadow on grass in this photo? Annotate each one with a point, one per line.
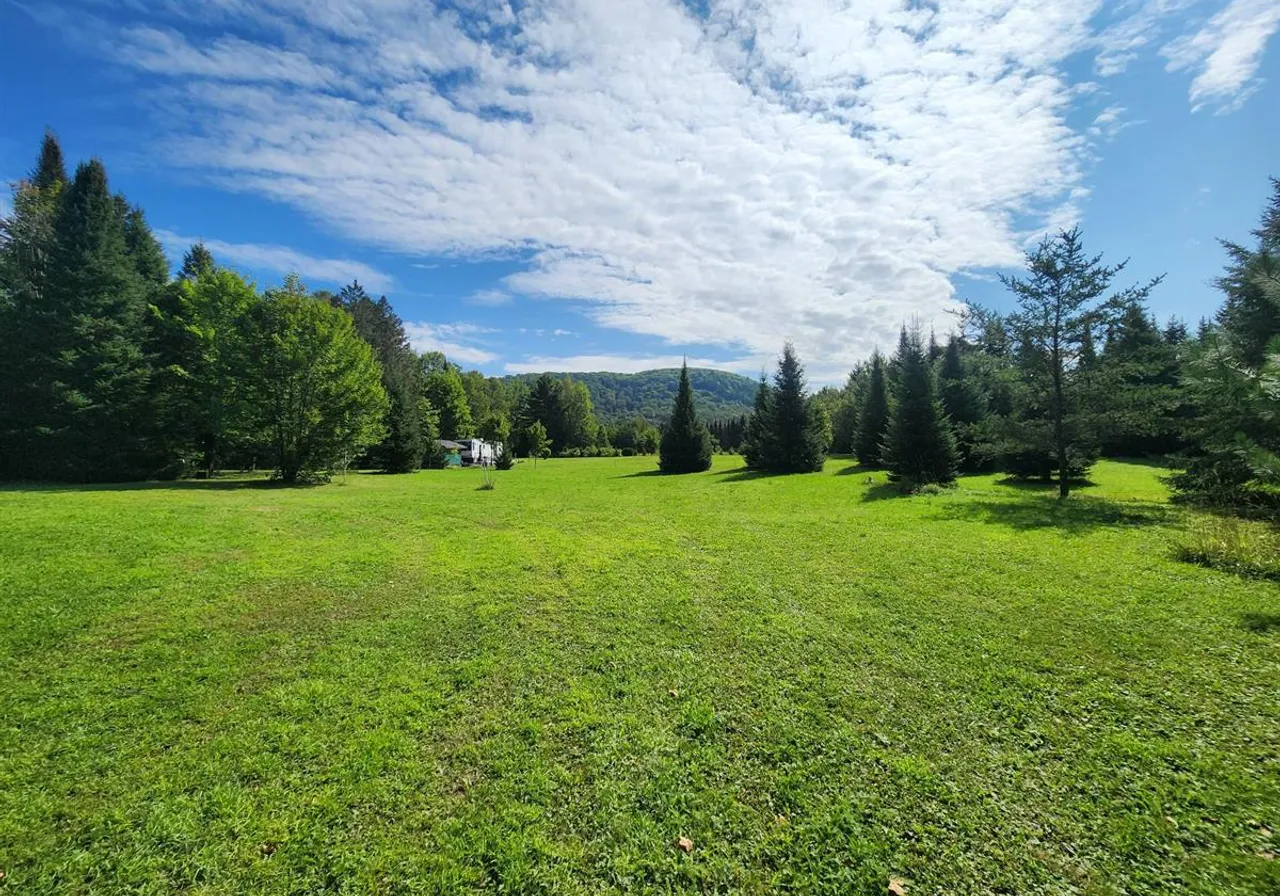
(1260, 623)
(1073, 516)
(854, 470)
(1041, 485)
(640, 475)
(746, 474)
(884, 491)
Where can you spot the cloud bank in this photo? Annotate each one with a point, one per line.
(729, 173)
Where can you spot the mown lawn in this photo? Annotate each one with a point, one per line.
(404, 685)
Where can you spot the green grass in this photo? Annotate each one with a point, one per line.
(404, 685)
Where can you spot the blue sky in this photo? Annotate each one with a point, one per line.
(615, 184)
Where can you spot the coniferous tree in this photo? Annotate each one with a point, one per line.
(1233, 380)
(686, 443)
(759, 448)
(873, 416)
(963, 403)
(27, 321)
(793, 435)
(1062, 403)
(197, 260)
(89, 427)
(401, 449)
(919, 445)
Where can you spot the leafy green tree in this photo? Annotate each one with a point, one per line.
(198, 340)
(636, 435)
(1061, 302)
(873, 415)
(444, 390)
(686, 443)
(315, 383)
(536, 441)
(919, 445)
(963, 402)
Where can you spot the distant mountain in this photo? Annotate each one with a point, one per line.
(620, 396)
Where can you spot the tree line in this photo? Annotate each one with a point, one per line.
(115, 370)
(1077, 370)
(112, 369)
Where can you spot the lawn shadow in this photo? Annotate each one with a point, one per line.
(1260, 623)
(884, 491)
(746, 474)
(854, 469)
(1042, 485)
(641, 474)
(1073, 515)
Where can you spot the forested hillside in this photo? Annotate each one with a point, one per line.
(621, 396)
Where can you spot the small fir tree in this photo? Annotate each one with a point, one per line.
(873, 416)
(686, 442)
(919, 446)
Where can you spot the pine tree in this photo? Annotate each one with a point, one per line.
(919, 446)
(401, 449)
(873, 416)
(758, 445)
(788, 432)
(97, 367)
(1061, 402)
(962, 402)
(27, 321)
(198, 260)
(686, 443)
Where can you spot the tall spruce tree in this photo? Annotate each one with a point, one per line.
(402, 447)
(873, 416)
(919, 445)
(759, 448)
(963, 403)
(795, 426)
(26, 318)
(686, 442)
(99, 373)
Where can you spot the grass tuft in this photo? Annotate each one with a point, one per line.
(1245, 547)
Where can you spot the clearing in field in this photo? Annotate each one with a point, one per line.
(400, 684)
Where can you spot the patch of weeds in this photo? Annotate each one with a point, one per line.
(1244, 547)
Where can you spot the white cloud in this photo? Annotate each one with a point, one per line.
(1110, 122)
(803, 169)
(452, 339)
(490, 297)
(280, 259)
(622, 364)
(1225, 53)
(1139, 23)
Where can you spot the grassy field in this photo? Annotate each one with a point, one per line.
(408, 685)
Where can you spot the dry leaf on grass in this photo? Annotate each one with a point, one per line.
(685, 844)
(897, 887)
(674, 692)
